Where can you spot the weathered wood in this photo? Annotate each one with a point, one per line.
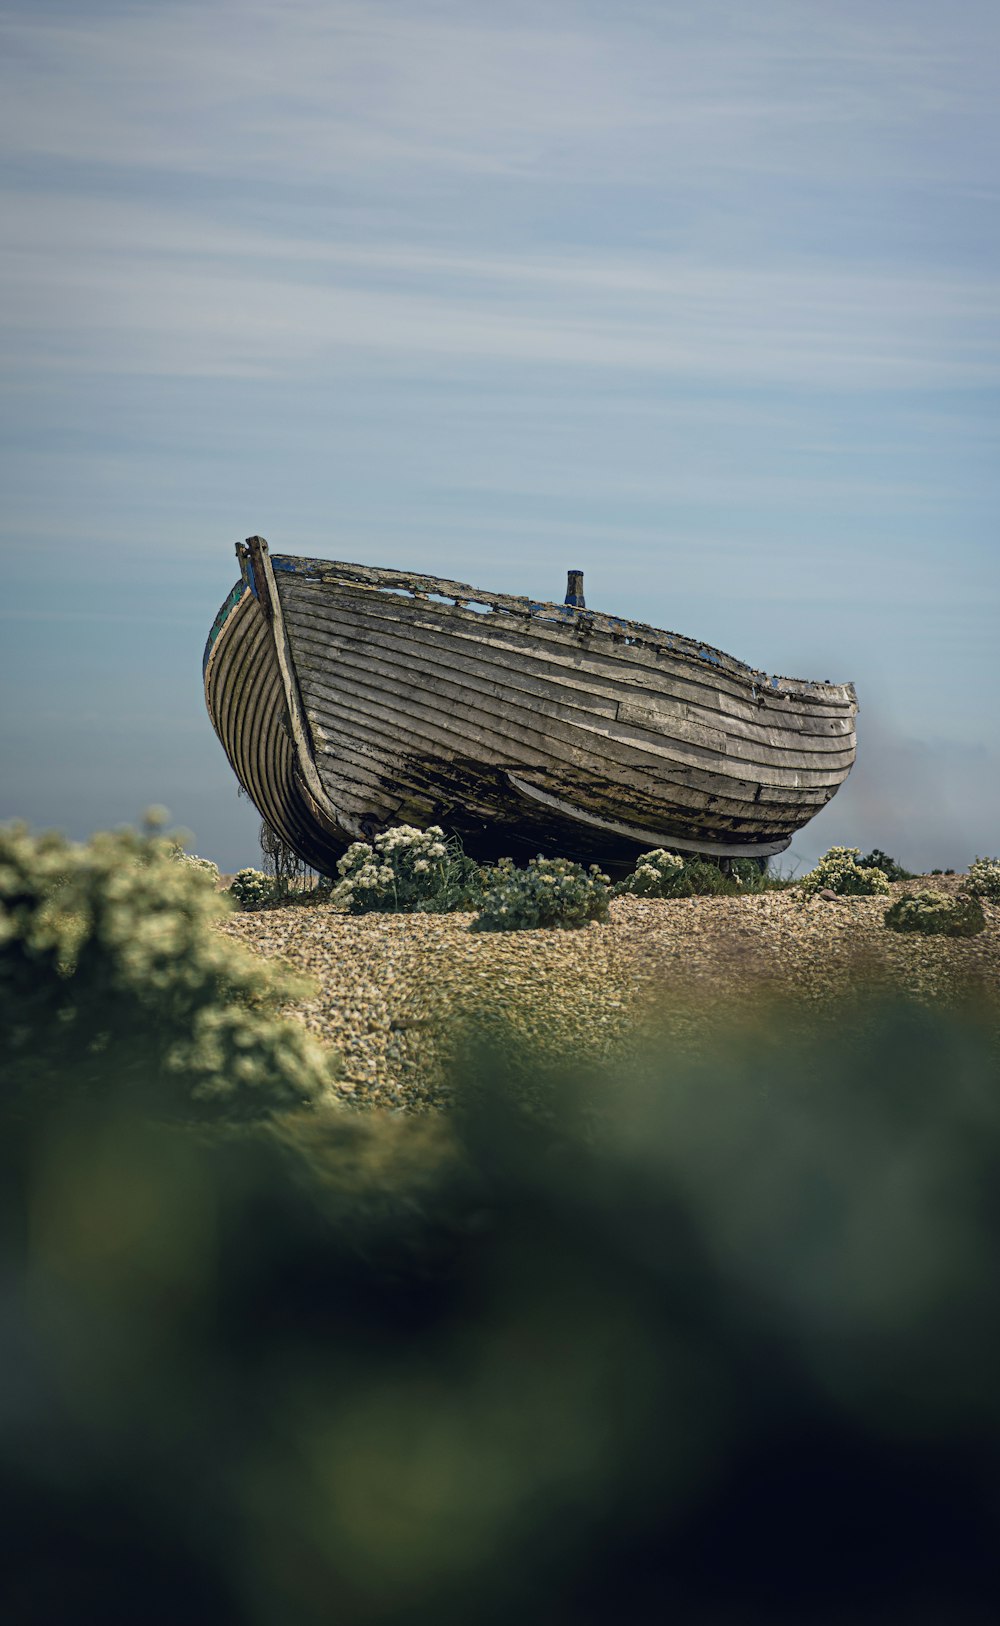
(543, 726)
(601, 661)
(574, 590)
(635, 634)
(321, 633)
(343, 693)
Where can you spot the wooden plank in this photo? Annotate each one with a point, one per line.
(321, 644)
(599, 673)
(653, 837)
(493, 717)
(530, 676)
(363, 704)
(246, 704)
(577, 633)
(663, 717)
(633, 635)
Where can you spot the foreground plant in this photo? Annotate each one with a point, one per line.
(204, 866)
(112, 978)
(550, 892)
(839, 871)
(407, 871)
(934, 914)
(709, 1339)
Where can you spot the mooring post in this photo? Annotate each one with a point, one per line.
(574, 589)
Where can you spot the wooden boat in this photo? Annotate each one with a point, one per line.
(348, 699)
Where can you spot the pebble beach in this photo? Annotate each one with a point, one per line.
(396, 996)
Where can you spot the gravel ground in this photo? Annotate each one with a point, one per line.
(395, 994)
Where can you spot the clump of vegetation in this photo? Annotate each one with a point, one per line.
(892, 871)
(112, 978)
(984, 879)
(407, 871)
(284, 868)
(251, 888)
(936, 915)
(839, 871)
(657, 874)
(204, 866)
(549, 892)
(663, 874)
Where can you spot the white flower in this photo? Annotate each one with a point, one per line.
(421, 866)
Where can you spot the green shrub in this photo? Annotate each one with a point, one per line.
(892, 871)
(407, 871)
(662, 874)
(251, 888)
(839, 872)
(113, 978)
(984, 879)
(703, 879)
(657, 874)
(550, 892)
(936, 915)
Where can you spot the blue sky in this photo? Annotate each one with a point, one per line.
(703, 299)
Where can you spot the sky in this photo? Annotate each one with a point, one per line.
(701, 298)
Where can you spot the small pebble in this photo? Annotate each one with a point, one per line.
(396, 995)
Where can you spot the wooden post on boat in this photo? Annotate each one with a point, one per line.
(574, 589)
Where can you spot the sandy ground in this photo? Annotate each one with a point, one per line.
(396, 995)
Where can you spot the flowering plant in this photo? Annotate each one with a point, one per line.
(113, 979)
(662, 874)
(550, 892)
(657, 874)
(984, 879)
(936, 915)
(839, 871)
(201, 866)
(251, 888)
(407, 871)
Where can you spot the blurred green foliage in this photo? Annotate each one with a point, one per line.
(934, 914)
(111, 974)
(716, 1341)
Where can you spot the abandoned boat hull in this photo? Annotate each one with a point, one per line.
(349, 699)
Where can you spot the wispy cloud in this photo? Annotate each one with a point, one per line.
(143, 290)
(707, 292)
(325, 86)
